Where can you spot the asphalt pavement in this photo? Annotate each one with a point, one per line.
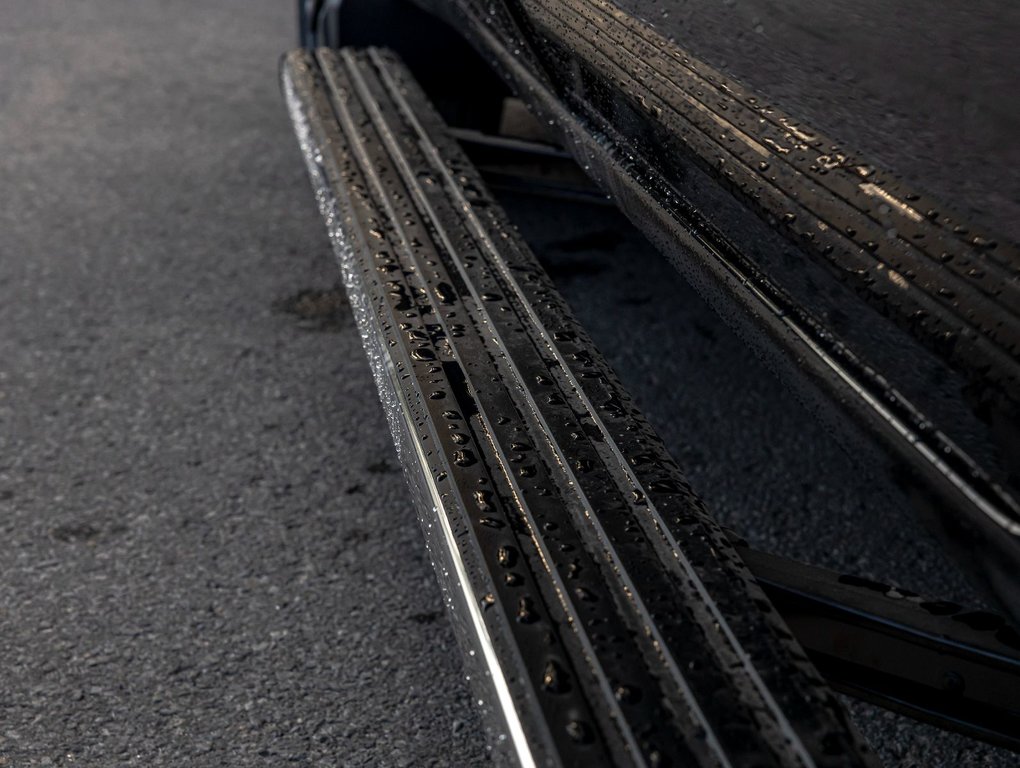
(210, 557)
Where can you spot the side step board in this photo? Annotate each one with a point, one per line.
(607, 619)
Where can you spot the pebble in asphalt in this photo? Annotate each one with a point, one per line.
(211, 558)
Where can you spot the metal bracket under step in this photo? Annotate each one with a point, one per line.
(933, 660)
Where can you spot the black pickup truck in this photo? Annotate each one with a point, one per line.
(606, 617)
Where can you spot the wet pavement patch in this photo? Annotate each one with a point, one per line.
(72, 532)
(426, 618)
(356, 536)
(381, 467)
(316, 309)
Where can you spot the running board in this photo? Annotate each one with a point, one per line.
(606, 618)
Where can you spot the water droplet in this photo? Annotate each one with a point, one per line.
(554, 678)
(464, 458)
(579, 732)
(664, 486)
(507, 556)
(586, 595)
(445, 293)
(526, 611)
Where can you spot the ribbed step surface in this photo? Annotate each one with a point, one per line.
(607, 618)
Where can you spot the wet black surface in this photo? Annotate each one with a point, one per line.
(210, 555)
(317, 309)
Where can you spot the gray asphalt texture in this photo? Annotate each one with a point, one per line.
(210, 557)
